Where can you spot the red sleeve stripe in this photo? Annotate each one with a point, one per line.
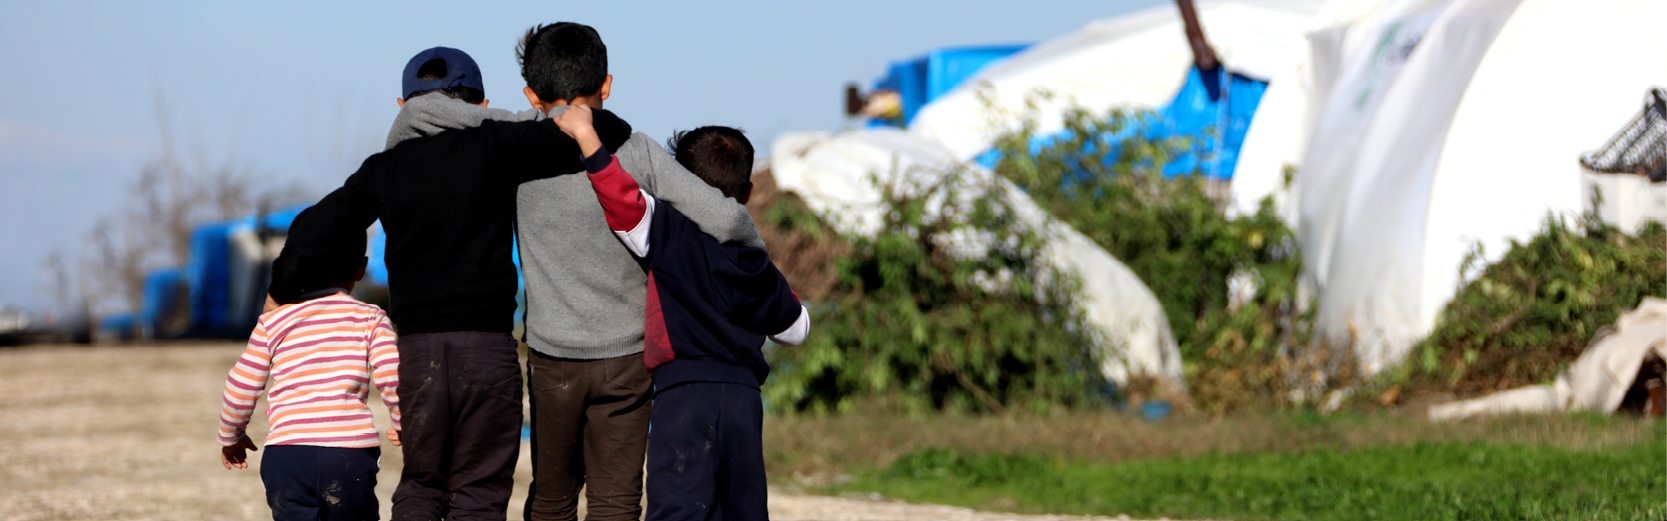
(620, 195)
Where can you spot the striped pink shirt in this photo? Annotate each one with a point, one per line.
(321, 357)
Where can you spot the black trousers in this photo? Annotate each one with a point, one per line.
(590, 429)
(460, 414)
(706, 454)
(307, 483)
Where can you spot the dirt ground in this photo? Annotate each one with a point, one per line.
(127, 432)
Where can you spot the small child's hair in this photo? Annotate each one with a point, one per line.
(303, 273)
(721, 156)
(435, 69)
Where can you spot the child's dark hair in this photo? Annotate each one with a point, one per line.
(337, 261)
(563, 61)
(435, 69)
(721, 156)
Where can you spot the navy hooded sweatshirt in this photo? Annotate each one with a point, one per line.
(710, 305)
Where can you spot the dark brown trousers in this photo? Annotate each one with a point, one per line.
(589, 427)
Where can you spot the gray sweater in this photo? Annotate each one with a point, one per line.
(586, 295)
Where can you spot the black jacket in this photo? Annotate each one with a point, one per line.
(447, 205)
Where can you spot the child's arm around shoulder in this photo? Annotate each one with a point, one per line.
(628, 208)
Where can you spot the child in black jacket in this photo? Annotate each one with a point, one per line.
(710, 306)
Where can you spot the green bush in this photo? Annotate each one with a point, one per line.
(913, 326)
(1104, 177)
(1523, 319)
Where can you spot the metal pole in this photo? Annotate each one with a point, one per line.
(1202, 55)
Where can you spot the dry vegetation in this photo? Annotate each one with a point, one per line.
(804, 250)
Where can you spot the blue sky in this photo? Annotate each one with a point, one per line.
(303, 91)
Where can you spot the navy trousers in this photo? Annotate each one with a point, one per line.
(706, 454)
(307, 483)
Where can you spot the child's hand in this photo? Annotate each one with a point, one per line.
(576, 123)
(234, 456)
(393, 436)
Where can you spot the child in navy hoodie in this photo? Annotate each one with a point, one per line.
(710, 306)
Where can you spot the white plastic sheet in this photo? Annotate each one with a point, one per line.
(1364, 186)
(1427, 127)
(1597, 381)
(832, 172)
(1137, 59)
(1278, 136)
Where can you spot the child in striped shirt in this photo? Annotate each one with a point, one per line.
(320, 354)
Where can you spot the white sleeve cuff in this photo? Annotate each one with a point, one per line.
(795, 334)
(636, 240)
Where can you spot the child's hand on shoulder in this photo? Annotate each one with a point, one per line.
(235, 455)
(577, 119)
(578, 124)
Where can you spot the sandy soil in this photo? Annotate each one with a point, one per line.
(127, 432)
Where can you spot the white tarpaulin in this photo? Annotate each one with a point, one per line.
(1428, 126)
(1137, 59)
(1597, 381)
(832, 172)
(1278, 136)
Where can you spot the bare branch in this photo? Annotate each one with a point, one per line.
(170, 198)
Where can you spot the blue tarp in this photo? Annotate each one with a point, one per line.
(925, 78)
(162, 295)
(208, 271)
(376, 271)
(281, 219)
(122, 322)
(1215, 110)
(208, 268)
(1212, 110)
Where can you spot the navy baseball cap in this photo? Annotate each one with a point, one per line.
(461, 71)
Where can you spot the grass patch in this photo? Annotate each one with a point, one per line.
(809, 450)
(1425, 480)
(1293, 464)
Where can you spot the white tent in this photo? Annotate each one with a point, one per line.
(1278, 135)
(832, 173)
(1428, 126)
(1137, 59)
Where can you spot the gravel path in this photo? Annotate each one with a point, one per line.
(127, 432)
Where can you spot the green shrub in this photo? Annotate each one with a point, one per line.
(913, 326)
(1103, 177)
(1523, 319)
